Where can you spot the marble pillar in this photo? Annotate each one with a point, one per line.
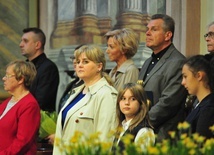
(86, 28)
(130, 16)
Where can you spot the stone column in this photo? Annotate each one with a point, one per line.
(85, 7)
(105, 10)
(130, 6)
(86, 28)
(130, 16)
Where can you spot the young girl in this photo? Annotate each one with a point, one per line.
(198, 79)
(132, 116)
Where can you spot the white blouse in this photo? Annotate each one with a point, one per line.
(8, 107)
(145, 136)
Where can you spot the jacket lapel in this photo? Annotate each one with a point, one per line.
(155, 69)
(74, 93)
(159, 64)
(144, 68)
(77, 106)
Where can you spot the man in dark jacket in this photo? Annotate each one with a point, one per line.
(45, 85)
(161, 75)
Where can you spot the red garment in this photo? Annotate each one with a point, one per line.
(19, 127)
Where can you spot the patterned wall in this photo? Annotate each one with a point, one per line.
(13, 18)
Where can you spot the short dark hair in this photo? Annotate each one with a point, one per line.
(169, 23)
(39, 33)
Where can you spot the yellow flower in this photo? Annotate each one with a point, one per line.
(111, 133)
(209, 143)
(212, 128)
(185, 125)
(57, 141)
(192, 152)
(164, 149)
(76, 137)
(127, 139)
(68, 148)
(188, 142)
(172, 134)
(195, 136)
(153, 150)
(185, 144)
(183, 136)
(198, 138)
(94, 136)
(106, 146)
(191, 145)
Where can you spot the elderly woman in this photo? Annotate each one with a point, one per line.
(20, 113)
(91, 107)
(122, 46)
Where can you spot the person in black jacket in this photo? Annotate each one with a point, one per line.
(161, 76)
(45, 85)
(73, 84)
(198, 79)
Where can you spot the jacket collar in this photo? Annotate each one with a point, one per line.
(160, 62)
(124, 66)
(38, 60)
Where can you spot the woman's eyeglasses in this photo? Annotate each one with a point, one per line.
(8, 76)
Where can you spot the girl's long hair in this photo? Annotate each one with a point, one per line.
(142, 114)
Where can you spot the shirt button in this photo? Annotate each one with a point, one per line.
(77, 121)
(153, 63)
(147, 75)
(81, 113)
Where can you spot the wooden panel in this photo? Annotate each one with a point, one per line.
(193, 27)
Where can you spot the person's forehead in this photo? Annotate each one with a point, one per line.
(82, 56)
(10, 68)
(112, 41)
(155, 23)
(28, 35)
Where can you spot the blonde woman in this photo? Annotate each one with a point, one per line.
(91, 107)
(122, 46)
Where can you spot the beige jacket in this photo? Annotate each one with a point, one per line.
(127, 72)
(94, 113)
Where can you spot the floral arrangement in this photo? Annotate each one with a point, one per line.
(179, 143)
(47, 123)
